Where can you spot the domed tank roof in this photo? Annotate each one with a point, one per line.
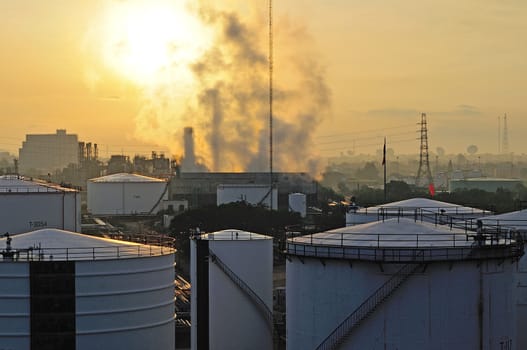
(423, 204)
(233, 235)
(395, 232)
(65, 245)
(516, 220)
(125, 177)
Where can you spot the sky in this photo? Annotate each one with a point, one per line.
(131, 74)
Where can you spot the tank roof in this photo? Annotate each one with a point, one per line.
(399, 240)
(125, 177)
(55, 244)
(19, 184)
(516, 220)
(395, 232)
(233, 235)
(425, 204)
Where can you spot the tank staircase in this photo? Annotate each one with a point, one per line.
(264, 310)
(339, 335)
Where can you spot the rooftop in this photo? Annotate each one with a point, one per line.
(19, 184)
(403, 240)
(54, 244)
(233, 235)
(126, 177)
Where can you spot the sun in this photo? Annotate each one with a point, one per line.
(147, 40)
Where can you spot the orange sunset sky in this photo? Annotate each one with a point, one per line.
(130, 74)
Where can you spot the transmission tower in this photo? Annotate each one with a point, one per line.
(423, 173)
(505, 140)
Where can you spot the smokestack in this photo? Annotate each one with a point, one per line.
(189, 160)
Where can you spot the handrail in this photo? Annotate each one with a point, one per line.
(344, 329)
(255, 299)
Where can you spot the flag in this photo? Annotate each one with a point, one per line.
(431, 189)
(384, 153)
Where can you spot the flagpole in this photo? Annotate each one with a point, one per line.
(384, 164)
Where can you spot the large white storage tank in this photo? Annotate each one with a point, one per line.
(231, 296)
(418, 285)
(514, 223)
(27, 205)
(422, 209)
(297, 203)
(64, 290)
(125, 194)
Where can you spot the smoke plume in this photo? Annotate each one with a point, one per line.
(228, 105)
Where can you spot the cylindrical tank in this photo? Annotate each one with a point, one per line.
(27, 205)
(65, 290)
(297, 203)
(226, 267)
(457, 292)
(515, 223)
(422, 209)
(125, 194)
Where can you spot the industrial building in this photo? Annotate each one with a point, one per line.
(419, 208)
(64, 290)
(484, 184)
(401, 284)
(200, 188)
(125, 194)
(46, 153)
(28, 204)
(231, 296)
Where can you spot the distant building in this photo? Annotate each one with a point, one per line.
(200, 188)
(485, 184)
(46, 153)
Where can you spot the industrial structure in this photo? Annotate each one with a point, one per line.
(231, 296)
(28, 204)
(125, 194)
(424, 175)
(485, 184)
(46, 153)
(252, 194)
(298, 204)
(64, 290)
(514, 223)
(422, 209)
(401, 284)
(200, 188)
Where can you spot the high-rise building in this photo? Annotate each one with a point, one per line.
(45, 153)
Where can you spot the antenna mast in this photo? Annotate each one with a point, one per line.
(271, 99)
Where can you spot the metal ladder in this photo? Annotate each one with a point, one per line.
(266, 313)
(353, 321)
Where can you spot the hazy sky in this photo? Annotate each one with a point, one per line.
(130, 75)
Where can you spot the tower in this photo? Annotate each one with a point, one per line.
(424, 175)
(505, 140)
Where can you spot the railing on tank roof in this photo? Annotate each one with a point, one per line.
(148, 246)
(398, 248)
(228, 235)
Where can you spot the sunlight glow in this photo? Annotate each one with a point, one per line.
(147, 40)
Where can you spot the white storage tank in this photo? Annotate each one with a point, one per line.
(232, 291)
(27, 204)
(125, 194)
(297, 203)
(514, 223)
(253, 194)
(64, 290)
(400, 284)
(422, 209)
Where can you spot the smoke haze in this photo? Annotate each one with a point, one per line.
(228, 103)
